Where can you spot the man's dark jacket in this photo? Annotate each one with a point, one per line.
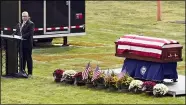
(27, 34)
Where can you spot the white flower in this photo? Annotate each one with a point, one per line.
(135, 84)
(160, 89)
(69, 72)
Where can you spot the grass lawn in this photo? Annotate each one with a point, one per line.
(106, 21)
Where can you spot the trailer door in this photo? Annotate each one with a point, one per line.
(56, 17)
(9, 16)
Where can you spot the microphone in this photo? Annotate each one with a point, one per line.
(18, 26)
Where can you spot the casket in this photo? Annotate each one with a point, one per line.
(148, 48)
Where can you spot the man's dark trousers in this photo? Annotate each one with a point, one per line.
(27, 59)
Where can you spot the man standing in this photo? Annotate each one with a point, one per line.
(27, 31)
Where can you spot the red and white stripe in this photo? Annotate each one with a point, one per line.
(142, 45)
(95, 76)
(62, 28)
(51, 28)
(86, 72)
(8, 29)
(38, 29)
(96, 73)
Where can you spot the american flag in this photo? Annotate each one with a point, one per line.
(108, 73)
(142, 45)
(122, 73)
(85, 73)
(96, 73)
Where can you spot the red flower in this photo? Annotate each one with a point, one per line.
(79, 74)
(58, 73)
(148, 85)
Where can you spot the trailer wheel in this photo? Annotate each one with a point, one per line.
(48, 40)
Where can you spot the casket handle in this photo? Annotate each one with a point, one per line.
(175, 55)
(170, 56)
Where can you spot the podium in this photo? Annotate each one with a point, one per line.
(10, 55)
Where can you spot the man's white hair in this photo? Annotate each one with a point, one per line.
(25, 13)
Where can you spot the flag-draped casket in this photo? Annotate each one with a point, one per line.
(148, 48)
(149, 58)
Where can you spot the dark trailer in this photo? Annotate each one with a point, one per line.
(53, 19)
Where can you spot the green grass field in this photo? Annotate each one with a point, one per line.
(106, 21)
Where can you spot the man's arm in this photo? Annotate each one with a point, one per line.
(30, 31)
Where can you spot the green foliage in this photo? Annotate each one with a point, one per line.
(125, 80)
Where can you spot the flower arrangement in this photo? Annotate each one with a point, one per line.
(125, 81)
(78, 79)
(100, 79)
(90, 74)
(78, 74)
(148, 85)
(69, 72)
(114, 80)
(57, 74)
(102, 75)
(111, 81)
(107, 80)
(88, 81)
(100, 82)
(160, 89)
(135, 85)
(68, 76)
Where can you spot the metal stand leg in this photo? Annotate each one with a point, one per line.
(65, 41)
(175, 80)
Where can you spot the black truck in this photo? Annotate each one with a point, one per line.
(53, 19)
